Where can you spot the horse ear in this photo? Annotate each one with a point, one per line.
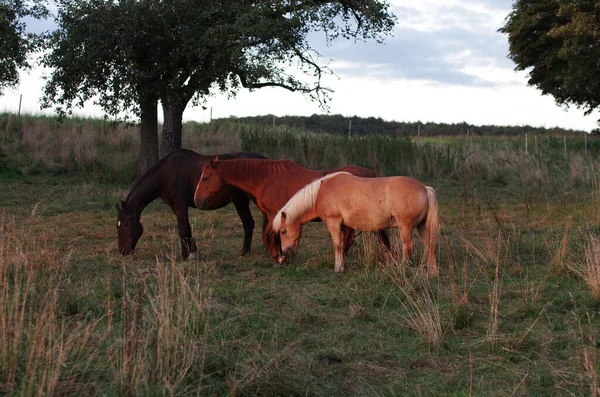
(283, 216)
(117, 207)
(211, 161)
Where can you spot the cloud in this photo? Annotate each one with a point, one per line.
(447, 42)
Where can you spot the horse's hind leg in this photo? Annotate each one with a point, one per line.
(407, 244)
(242, 206)
(337, 237)
(186, 242)
(385, 242)
(348, 237)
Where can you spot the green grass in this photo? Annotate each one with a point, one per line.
(99, 324)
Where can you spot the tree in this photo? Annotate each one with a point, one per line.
(558, 42)
(15, 43)
(185, 50)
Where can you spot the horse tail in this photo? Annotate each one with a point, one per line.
(430, 231)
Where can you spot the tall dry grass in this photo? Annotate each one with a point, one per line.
(153, 338)
(421, 307)
(590, 271)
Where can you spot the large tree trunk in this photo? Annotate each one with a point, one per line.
(149, 136)
(172, 126)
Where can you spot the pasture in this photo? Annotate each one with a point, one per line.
(514, 311)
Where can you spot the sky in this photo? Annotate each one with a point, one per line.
(446, 62)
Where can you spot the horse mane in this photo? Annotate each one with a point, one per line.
(151, 173)
(302, 201)
(254, 169)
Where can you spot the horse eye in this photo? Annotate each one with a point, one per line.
(205, 178)
(283, 231)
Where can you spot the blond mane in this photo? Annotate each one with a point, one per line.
(302, 201)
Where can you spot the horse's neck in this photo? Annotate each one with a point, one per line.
(308, 216)
(143, 193)
(248, 174)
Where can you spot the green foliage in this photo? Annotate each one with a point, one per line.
(557, 42)
(184, 49)
(15, 43)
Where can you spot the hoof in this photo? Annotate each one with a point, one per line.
(244, 252)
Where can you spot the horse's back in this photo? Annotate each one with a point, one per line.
(372, 203)
(180, 171)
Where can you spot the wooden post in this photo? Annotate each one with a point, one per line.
(526, 152)
(585, 140)
(210, 119)
(273, 121)
(20, 101)
(349, 127)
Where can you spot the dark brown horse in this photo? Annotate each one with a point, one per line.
(272, 183)
(174, 180)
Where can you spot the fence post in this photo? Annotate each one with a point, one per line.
(20, 101)
(585, 139)
(526, 151)
(349, 127)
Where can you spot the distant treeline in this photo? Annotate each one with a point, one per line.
(338, 124)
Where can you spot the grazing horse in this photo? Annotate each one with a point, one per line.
(367, 204)
(272, 183)
(174, 179)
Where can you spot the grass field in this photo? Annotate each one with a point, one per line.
(515, 310)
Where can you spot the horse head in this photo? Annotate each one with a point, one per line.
(129, 229)
(209, 183)
(290, 232)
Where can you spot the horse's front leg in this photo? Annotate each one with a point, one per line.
(242, 206)
(337, 237)
(269, 240)
(186, 242)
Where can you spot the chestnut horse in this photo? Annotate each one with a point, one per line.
(272, 183)
(174, 179)
(367, 204)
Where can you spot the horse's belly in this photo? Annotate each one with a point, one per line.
(368, 220)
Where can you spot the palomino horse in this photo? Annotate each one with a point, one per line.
(272, 183)
(367, 204)
(174, 179)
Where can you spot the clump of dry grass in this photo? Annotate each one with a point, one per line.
(590, 271)
(491, 255)
(421, 308)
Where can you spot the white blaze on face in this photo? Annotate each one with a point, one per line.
(119, 224)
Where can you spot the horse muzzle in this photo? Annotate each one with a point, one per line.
(202, 203)
(127, 251)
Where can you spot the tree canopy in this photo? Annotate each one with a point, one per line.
(15, 42)
(558, 42)
(185, 50)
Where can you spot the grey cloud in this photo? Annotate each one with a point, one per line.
(415, 54)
